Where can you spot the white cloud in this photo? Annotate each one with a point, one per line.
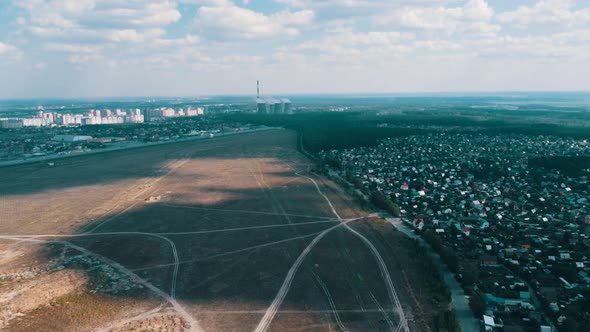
(437, 45)
(75, 6)
(152, 13)
(9, 53)
(564, 45)
(73, 48)
(177, 42)
(292, 3)
(547, 12)
(349, 49)
(329, 10)
(207, 2)
(234, 21)
(301, 18)
(93, 31)
(6, 48)
(53, 20)
(439, 18)
(383, 45)
(81, 60)
(40, 66)
(372, 38)
(132, 35)
(89, 18)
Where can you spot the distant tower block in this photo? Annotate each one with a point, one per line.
(258, 89)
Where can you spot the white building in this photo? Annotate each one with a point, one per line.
(195, 111)
(161, 113)
(92, 120)
(71, 138)
(135, 118)
(11, 123)
(33, 122)
(113, 119)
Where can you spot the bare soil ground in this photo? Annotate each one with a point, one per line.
(231, 219)
(30, 294)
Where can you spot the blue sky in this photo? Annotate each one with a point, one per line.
(94, 48)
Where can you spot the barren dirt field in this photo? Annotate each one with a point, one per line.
(238, 235)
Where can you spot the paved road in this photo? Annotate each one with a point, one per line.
(458, 299)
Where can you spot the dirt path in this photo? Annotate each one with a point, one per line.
(282, 293)
(330, 301)
(382, 266)
(271, 311)
(194, 326)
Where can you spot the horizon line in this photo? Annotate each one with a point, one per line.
(314, 94)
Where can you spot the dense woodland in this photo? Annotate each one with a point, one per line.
(567, 165)
(337, 130)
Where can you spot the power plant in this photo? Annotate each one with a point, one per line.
(270, 105)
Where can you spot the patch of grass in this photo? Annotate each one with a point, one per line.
(74, 312)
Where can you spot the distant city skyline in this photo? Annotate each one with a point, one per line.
(118, 48)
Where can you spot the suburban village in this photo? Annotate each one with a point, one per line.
(508, 214)
(52, 140)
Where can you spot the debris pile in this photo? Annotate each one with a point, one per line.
(103, 277)
(168, 322)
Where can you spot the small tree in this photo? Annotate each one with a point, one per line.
(478, 303)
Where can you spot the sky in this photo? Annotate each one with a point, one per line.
(110, 48)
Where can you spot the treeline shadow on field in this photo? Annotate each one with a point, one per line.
(236, 253)
(146, 162)
(210, 240)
